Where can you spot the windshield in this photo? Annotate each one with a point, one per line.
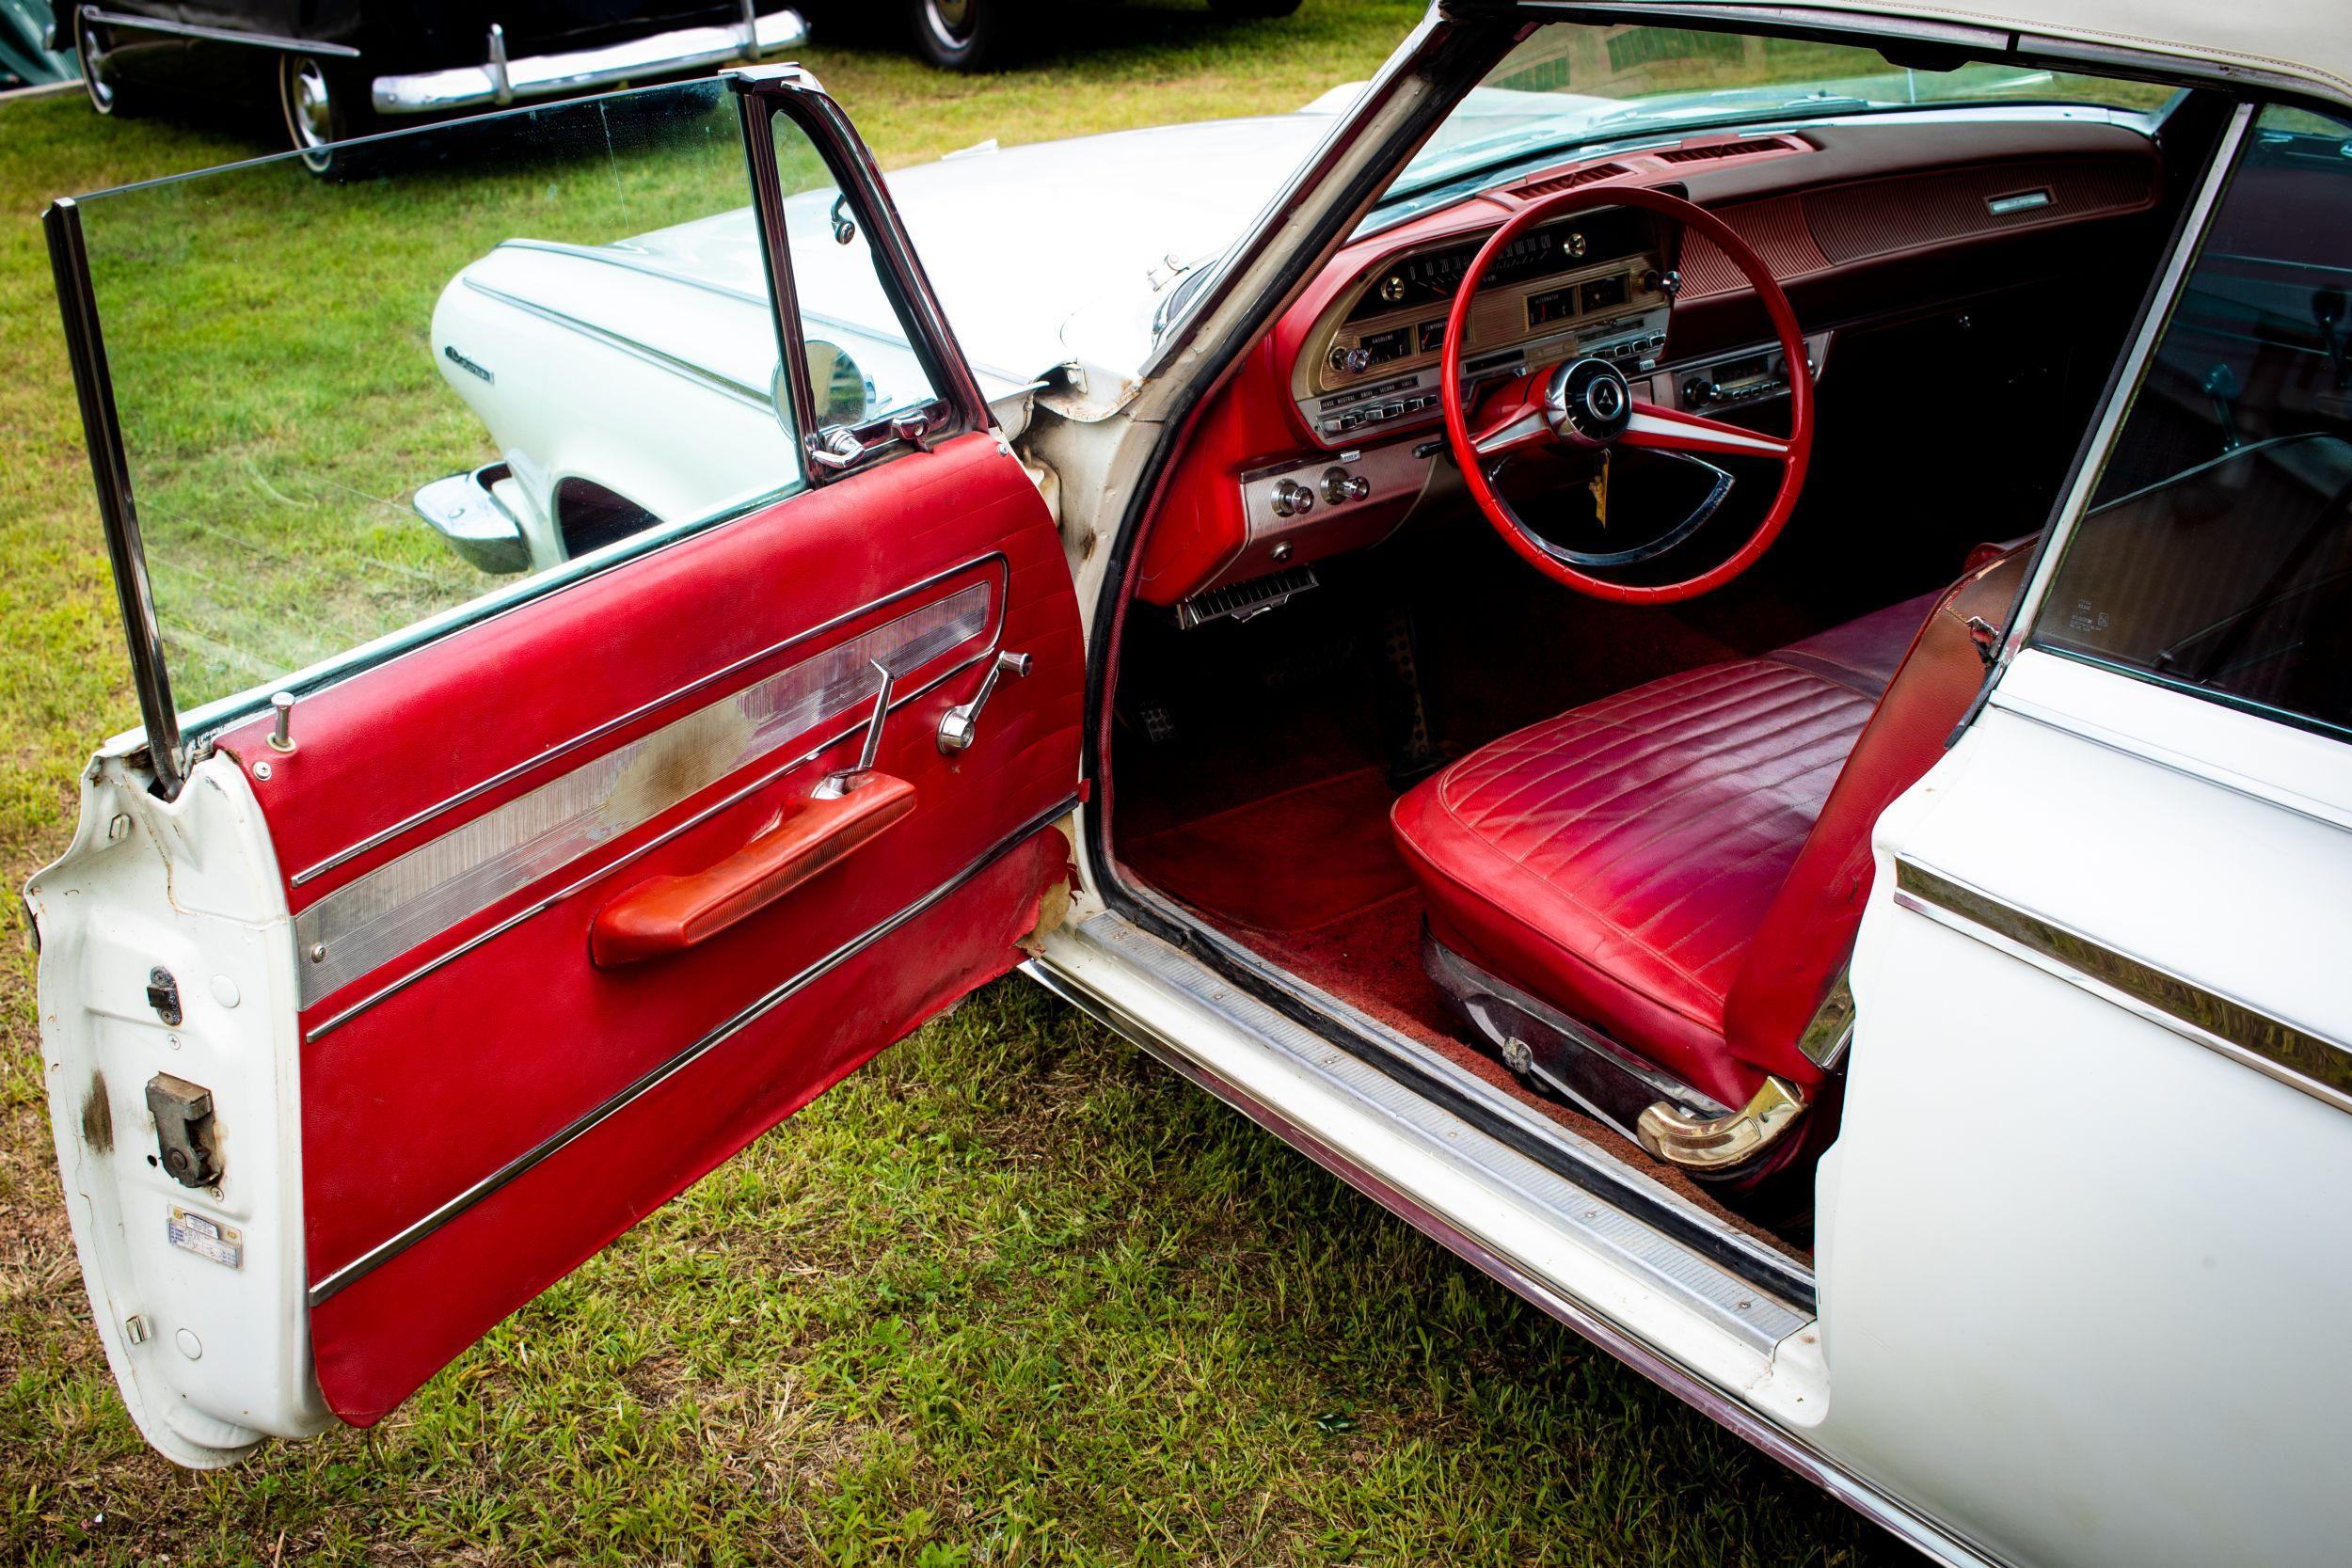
(1569, 84)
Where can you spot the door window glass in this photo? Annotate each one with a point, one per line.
(370, 393)
(2217, 552)
(863, 364)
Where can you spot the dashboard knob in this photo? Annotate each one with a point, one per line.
(1292, 498)
(1340, 486)
(1698, 392)
(1351, 361)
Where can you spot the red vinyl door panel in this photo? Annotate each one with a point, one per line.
(483, 1105)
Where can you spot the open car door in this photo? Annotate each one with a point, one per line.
(604, 676)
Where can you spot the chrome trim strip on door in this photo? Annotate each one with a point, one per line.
(385, 835)
(367, 922)
(384, 1251)
(2319, 1067)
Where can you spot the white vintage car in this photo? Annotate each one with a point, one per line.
(1709, 650)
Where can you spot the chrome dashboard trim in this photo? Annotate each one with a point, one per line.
(366, 923)
(417, 819)
(1392, 468)
(409, 1236)
(2312, 1063)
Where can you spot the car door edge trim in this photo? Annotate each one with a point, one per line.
(2295, 1056)
(384, 1251)
(417, 819)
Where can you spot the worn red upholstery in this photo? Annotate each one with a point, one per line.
(1621, 860)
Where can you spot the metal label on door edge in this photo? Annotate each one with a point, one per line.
(222, 1244)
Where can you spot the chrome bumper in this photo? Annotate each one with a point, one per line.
(462, 511)
(501, 81)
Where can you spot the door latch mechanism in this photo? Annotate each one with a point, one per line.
(163, 994)
(960, 725)
(184, 1130)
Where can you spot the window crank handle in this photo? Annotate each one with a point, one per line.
(960, 725)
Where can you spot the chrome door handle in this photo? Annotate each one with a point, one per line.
(960, 725)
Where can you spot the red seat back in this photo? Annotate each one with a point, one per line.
(1808, 933)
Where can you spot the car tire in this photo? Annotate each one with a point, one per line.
(965, 35)
(322, 104)
(1244, 11)
(110, 96)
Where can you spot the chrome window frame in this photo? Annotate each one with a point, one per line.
(2181, 267)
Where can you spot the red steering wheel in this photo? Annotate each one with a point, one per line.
(1587, 403)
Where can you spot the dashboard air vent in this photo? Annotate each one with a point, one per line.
(1569, 181)
(1756, 147)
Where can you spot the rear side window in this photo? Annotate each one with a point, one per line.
(2216, 556)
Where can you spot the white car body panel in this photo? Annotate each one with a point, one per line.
(2093, 1328)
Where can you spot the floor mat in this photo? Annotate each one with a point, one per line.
(1291, 862)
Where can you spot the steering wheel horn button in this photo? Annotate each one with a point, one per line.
(1588, 402)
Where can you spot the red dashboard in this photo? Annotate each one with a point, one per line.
(1323, 441)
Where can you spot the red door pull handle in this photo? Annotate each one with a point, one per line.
(670, 913)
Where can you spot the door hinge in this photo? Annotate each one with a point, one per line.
(184, 1130)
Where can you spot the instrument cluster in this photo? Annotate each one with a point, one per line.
(1592, 284)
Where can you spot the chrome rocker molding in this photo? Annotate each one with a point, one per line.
(500, 81)
(1457, 1093)
(1187, 981)
(2317, 1066)
(1755, 1318)
(384, 1251)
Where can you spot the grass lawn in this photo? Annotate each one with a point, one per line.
(1010, 1294)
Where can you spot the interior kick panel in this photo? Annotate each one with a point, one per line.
(483, 1106)
(1858, 219)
